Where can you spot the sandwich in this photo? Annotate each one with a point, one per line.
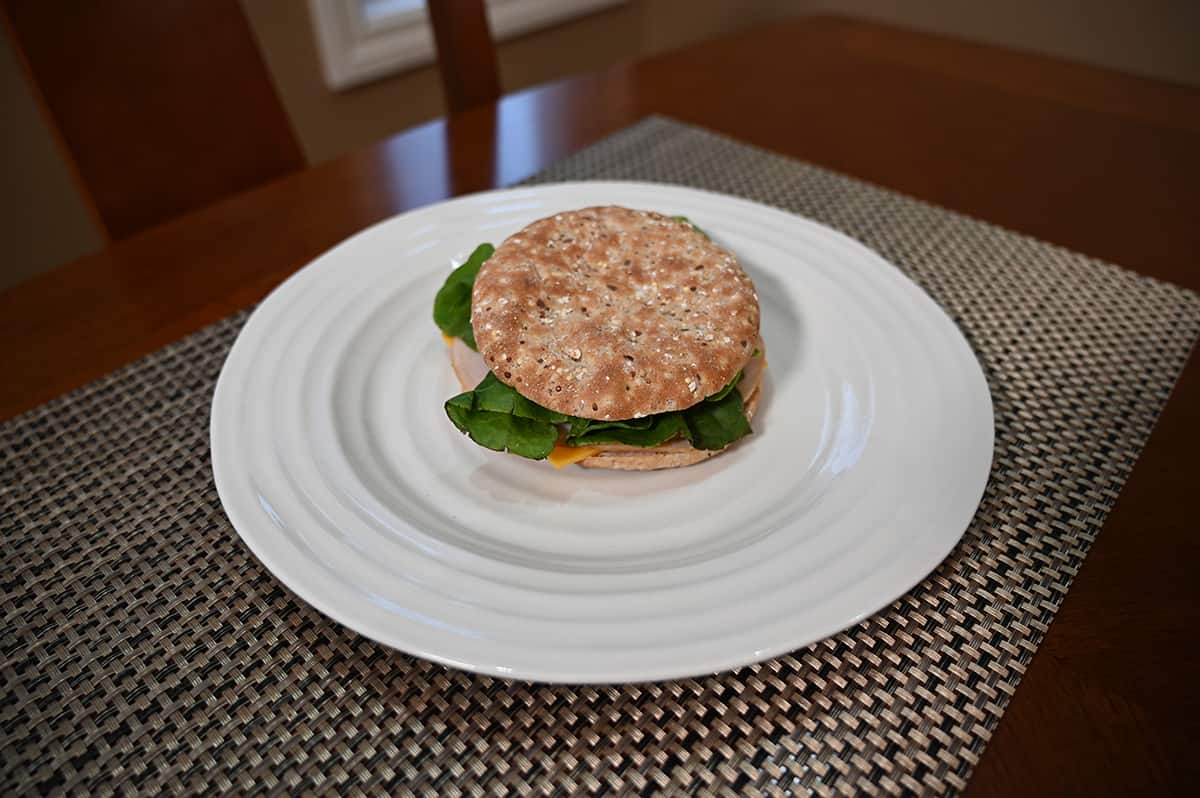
(607, 337)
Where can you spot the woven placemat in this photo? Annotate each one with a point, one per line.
(145, 649)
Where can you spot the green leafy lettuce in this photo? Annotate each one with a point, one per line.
(646, 431)
(495, 416)
(695, 226)
(452, 305)
(499, 418)
(712, 424)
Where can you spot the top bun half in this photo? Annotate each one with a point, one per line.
(612, 313)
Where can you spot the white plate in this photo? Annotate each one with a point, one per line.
(337, 465)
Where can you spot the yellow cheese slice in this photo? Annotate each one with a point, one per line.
(563, 456)
(449, 341)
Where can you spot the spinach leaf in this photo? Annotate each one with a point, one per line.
(715, 425)
(496, 397)
(650, 431)
(495, 416)
(452, 305)
(695, 226)
(581, 425)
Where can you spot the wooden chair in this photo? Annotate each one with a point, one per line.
(160, 107)
(466, 53)
(165, 107)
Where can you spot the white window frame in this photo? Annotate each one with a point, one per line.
(355, 50)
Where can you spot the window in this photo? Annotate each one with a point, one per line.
(360, 40)
(378, 10)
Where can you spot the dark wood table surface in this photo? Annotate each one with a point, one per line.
(1102, 163)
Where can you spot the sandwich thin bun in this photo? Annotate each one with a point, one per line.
(612, 313)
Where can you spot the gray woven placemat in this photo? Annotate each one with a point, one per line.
(145, 649)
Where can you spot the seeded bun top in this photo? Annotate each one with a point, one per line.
(612, 313)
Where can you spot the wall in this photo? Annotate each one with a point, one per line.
(43, 220)
(1155, 38)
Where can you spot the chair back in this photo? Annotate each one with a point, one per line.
(160, 106)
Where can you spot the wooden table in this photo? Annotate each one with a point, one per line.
(1102, 163)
